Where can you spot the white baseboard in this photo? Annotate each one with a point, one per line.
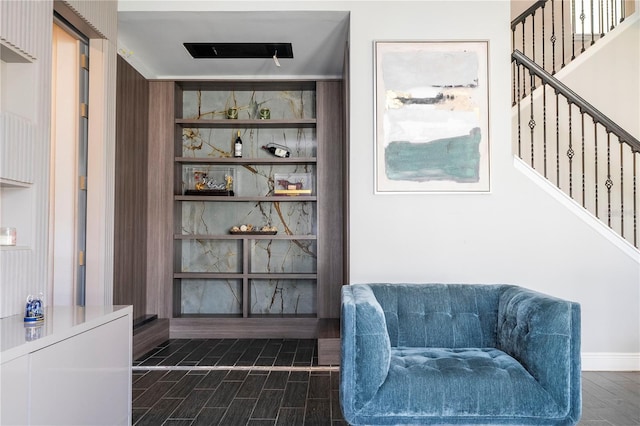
(610, 361)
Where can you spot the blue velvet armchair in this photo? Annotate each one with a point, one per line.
(458, 354)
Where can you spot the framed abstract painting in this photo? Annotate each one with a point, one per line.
(432, 116)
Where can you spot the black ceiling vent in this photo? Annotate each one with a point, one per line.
(239, 50)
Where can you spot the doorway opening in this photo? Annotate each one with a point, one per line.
(69, 145)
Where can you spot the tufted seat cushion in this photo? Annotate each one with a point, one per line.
(494, 385)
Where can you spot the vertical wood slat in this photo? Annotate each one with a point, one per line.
(130, 266)
(163, 97)
(330, 180)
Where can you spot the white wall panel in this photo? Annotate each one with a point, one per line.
(17, 148)
(26, 113)
(16, 264)
(101, 15)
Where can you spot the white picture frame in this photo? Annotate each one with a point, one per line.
(431, 116)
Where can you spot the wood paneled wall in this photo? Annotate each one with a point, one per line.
(163, 95)
(131, 191)
(331, 210)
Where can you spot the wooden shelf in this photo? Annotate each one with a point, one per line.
(246, 123)
(220, 326)
(14, 248)
(9, 183)
(244, 237)
(269, 199)
(12, 54)
(240, 275)
(232, 160)
(248, 85)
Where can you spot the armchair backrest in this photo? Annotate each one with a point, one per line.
(440, 315)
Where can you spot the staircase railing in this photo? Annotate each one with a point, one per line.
(575, 146)
(553, 32)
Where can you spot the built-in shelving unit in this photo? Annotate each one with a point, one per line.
(227, 284)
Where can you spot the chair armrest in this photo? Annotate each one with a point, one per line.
(365, 347)
(543, 334)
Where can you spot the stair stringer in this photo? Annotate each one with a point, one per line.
(577, 210)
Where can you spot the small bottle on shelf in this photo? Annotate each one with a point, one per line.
(237, 146)
(277, 150)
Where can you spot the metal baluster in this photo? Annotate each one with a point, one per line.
(553, 37)
(514, 66)
(524, 88)
(519, 118)
(584, 196)
(635, 198)
(602, 21)
(621, 190)
(582, 18)
(544, 58)
(623, 10)
(532, 122)
(613, 14)
(514, 71)
(562, 34)
(573, 33)
(593, 40)
(544, 128)
(557, 139)
(533, 36)
(608, 183)
(595, 140)
(570, 151)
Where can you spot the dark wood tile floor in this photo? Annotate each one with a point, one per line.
(278, 382)
(610, 398)
(232, 353)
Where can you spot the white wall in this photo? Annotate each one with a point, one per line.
(617, 57)
(519, 233)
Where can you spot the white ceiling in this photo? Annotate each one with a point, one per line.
(152, 42)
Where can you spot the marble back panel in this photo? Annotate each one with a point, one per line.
(267, 296)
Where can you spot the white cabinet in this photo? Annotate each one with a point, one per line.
(14, 392)
(75, 371)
